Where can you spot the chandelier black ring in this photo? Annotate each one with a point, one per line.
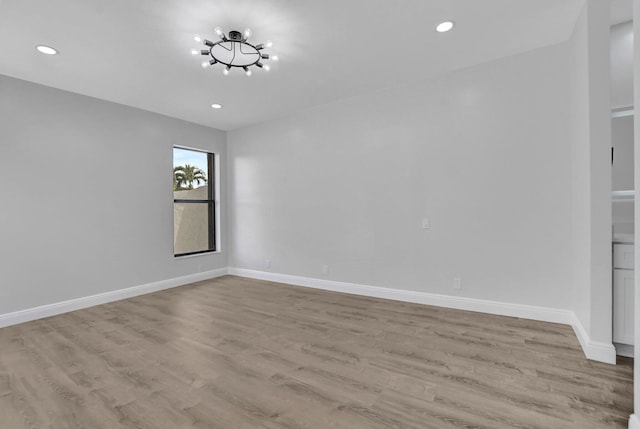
(234, 51)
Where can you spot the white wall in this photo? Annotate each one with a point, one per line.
(87, 196)
(580, 192)
(483, 152)
(590, 126)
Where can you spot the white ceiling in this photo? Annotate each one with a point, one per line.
(136, 52)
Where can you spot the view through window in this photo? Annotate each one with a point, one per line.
(193, 202)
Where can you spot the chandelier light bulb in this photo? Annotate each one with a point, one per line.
(226, 70)
(267, 67)
(247, 33)
(197, 38)
(274, 58)
(195, 52)
(205, 64)
(219, 31)
(268, 43)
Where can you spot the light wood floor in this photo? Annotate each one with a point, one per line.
(237, 353)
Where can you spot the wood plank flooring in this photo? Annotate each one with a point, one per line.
(236, 353)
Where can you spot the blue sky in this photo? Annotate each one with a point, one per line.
(191, 157)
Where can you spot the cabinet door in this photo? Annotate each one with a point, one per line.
(623, 256)
(623, 303)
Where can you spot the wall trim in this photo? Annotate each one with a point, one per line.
(625, 350)
(49, 310)
(634, 422)
(594, 350)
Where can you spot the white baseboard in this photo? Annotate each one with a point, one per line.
(49, 310)
(625, 350)
(634, 422)
(592, 349)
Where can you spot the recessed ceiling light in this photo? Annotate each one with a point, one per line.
(445, 26)
(216, 106)
(46, 50)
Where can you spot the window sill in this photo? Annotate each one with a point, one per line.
(213, 252)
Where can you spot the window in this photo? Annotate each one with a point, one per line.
(194, 205)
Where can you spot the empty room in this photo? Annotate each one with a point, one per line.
(231, 214)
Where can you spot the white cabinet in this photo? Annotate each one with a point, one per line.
(623, 256)
(623, 291)
(623, 285)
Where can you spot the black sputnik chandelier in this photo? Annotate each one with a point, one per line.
(234, 50)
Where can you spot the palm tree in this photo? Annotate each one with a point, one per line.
(177, 179)
(186, 175)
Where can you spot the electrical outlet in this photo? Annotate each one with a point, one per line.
(267, 263)
(325, 269)
(457, 283)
